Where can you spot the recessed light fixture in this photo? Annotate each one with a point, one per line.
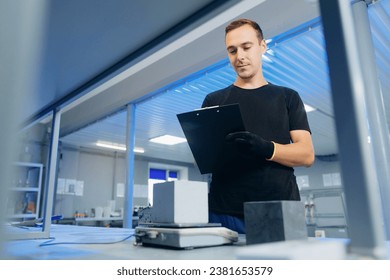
(308, 108)
(168, 140)
(119, 147)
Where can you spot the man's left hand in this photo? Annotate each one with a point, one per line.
(250, 144)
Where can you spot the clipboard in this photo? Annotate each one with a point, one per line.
(206, 129)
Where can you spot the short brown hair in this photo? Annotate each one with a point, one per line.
(242, 21)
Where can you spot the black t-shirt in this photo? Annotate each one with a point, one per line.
(271, 112)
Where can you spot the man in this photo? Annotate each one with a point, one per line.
(278, 135)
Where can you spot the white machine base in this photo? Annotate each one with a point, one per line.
(185, 238)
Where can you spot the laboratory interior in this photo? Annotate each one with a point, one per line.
(90, 88)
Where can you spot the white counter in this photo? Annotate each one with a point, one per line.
(70, 242)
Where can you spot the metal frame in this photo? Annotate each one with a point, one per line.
(356, 155)
(51, 172)
(129, 190)
(376, 114)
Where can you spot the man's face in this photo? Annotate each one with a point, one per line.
(245, 51)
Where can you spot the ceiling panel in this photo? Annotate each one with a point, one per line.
(380, 27)
(294, 59)
(195, 49)
(84, 39)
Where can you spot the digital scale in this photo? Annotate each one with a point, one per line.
(184, 236)
(179, 218)
(179, 215)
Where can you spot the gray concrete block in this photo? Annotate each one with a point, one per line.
(270, 221)
(180, 202)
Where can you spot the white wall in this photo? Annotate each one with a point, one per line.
(317, 170)
(100, 175)
(97, 171)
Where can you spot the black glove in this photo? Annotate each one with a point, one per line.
(250, 144)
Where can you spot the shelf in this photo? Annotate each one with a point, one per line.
(24, 197)
(23, 189)
(28, 164)
(103, 220)
(98, 219)
(23, 216)
(322, 192)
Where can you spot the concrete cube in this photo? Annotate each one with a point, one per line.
(269, 221)
(180, 202)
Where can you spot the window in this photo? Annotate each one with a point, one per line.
(172, 175)
(159, 173)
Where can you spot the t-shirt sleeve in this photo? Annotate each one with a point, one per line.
(214, 98)
(206, 102)
(297, 112)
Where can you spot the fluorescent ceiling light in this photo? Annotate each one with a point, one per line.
(168, 140)
(139, 150)
(270, 52)
(308, 108)
(120, 147)
(266, 58)
(113, 146)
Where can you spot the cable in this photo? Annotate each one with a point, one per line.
(48, 243)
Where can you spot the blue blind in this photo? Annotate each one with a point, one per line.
(173, 174)
(157, 174)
